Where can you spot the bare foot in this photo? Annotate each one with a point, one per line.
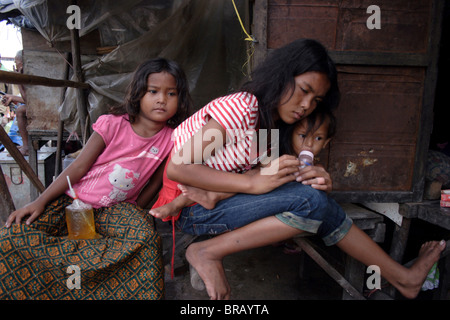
(203, 197)
(168, 210)
(429, 254)
(210, 270)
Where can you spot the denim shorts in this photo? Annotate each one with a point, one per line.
(295, 204)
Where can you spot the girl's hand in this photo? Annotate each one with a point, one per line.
(33, 210)
(317, 177)
(274, 174)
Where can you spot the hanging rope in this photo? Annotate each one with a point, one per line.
(250, 38)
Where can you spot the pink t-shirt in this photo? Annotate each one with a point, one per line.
(125, 166)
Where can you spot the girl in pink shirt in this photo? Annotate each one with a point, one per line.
(127, 146)
(118, 172)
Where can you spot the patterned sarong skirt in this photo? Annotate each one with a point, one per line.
(39, 262)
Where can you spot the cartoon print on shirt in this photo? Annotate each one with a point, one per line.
(122, 180)
(102, 178)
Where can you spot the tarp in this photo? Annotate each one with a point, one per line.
(203, 36)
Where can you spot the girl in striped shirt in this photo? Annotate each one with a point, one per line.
(231, 134)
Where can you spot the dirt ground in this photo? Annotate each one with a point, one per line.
(267, 273)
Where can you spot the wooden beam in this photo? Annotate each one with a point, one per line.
(429, 91)
(332, 272)
(19, 158)
(6, 201)
(28, 79)
(379, 58)
(259, 31)
(80, 97)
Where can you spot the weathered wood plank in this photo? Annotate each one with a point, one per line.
(27, 79)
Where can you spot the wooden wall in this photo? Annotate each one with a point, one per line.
(387, 78)
(41, 59)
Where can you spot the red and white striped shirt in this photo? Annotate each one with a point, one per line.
(238, 114)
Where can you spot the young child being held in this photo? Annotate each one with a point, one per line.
(312, 133)
(309, 134)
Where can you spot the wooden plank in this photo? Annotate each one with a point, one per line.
(289, 20)
(330, 270)
(376, 133)
(259, 30)
(372, 196)
(405, 26)
(43, 101)
(364, 218)
(6, 201)
(426, 116)
(432, 212)
(80, 96)
(379, 58)
(341, 25)
(33, 40)
(27, 79)
(354, 272)
(400, 240)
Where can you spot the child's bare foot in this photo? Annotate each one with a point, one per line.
(210, 270)
(204, 198)
(429, 254)
(165, 211)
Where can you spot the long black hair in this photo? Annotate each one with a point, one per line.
(138, 88)
(276, 75)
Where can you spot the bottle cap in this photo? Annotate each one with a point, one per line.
(306, 153)
(307, 158)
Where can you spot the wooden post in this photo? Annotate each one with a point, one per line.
(81, 99)
(6, 201)
(260, 31)
(58, 162)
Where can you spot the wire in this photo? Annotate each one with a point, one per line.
(250, 38)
